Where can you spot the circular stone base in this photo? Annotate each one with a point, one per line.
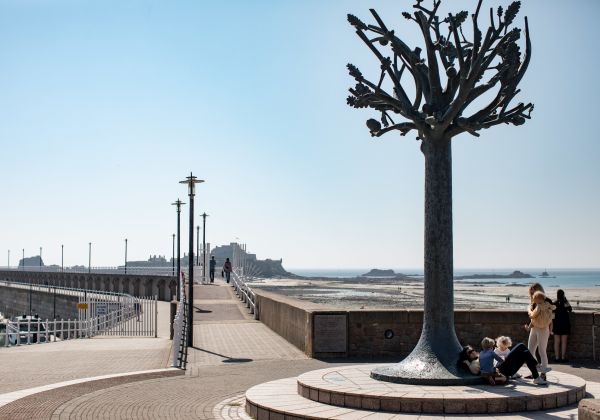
(400, 375)
(353, 387)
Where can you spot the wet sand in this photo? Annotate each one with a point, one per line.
(399, 293)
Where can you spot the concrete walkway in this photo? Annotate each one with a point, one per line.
(232, 353)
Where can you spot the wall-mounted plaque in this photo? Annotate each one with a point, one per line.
(330, 333)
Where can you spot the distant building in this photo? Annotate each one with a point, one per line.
(35, 261)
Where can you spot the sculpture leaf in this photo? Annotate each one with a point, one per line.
(511, 12)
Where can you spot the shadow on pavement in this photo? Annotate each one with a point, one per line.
(228, 359)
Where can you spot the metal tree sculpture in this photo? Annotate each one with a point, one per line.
(437, 114)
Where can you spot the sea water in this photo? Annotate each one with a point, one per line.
(559, 277)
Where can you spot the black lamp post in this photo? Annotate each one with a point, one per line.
(90, 258)
(62, 258)
(191, 182)
(125, 255)
(40, 258)
(8, 264)
(173, 262)
(178, 203)
(197, 245)
(204, 247)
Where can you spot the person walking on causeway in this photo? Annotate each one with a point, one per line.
(212, 265)
(227, 268)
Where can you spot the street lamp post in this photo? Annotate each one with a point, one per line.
(62, 258)
(173, 262)
(8, 266)
(125, 255)
(178, 203)
(197, 245)
(90, 258)
(191, 182)
(23, 260)
(40, 258)
(204, 247)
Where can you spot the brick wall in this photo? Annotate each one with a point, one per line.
(367, 328)
(294, 320)
(15, 301)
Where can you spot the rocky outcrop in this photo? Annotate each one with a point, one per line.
(379, 273)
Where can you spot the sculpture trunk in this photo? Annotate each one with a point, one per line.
(434, 359)
(438, 315)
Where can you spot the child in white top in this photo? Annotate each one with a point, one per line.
(502, 346)
(502, 349)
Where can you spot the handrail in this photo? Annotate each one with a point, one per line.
(245, 293)
(180, 329)
(139, 270)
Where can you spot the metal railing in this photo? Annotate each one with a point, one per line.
(245, 293)
(99, 313)
(158, 271)
(180, 330)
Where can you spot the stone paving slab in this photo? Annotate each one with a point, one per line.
(41, 364)
(352, 386)
(220, 343)
(182, 397)
(33, 403)
(263, 403)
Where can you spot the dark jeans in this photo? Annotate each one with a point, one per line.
(211, 274)
(228, 276)
(518, 356)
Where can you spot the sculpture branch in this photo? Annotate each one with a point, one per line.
(441, 115)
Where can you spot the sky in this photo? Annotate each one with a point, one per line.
(106, 105)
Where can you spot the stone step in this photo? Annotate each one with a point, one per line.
(353, 387)
(291, 398)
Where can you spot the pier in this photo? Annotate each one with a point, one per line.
(132, 377)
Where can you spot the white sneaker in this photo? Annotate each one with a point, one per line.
(545, 370)
(540, 381)
(516, 376)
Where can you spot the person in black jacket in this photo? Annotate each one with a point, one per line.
(561, 326)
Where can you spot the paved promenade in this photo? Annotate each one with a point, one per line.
(232, 352)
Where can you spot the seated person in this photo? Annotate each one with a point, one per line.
(483, 363)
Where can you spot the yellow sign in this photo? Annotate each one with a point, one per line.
(82, 306)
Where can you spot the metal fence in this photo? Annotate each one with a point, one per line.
(180, 329)
(157, 271)
(99, 313)
(245, 293)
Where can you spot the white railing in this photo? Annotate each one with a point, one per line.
(99, 313)
(180, 329)
(158, 271)
(245, 293)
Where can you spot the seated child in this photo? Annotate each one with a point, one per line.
(502, 349)
(517, 357)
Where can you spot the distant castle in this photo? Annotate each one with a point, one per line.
(254, 266)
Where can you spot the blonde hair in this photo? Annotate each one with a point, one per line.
(505, 341)
(535, 287)
(487, 343)
(538, 297)
(540, 311)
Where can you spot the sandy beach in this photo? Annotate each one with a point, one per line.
(388, 293)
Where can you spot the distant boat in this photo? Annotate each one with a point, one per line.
(546, 275)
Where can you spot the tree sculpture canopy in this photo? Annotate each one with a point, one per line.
(439, 103)
(461, 69)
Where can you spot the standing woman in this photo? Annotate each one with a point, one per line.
(227, 268)
(540, 314)
(562, 326)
